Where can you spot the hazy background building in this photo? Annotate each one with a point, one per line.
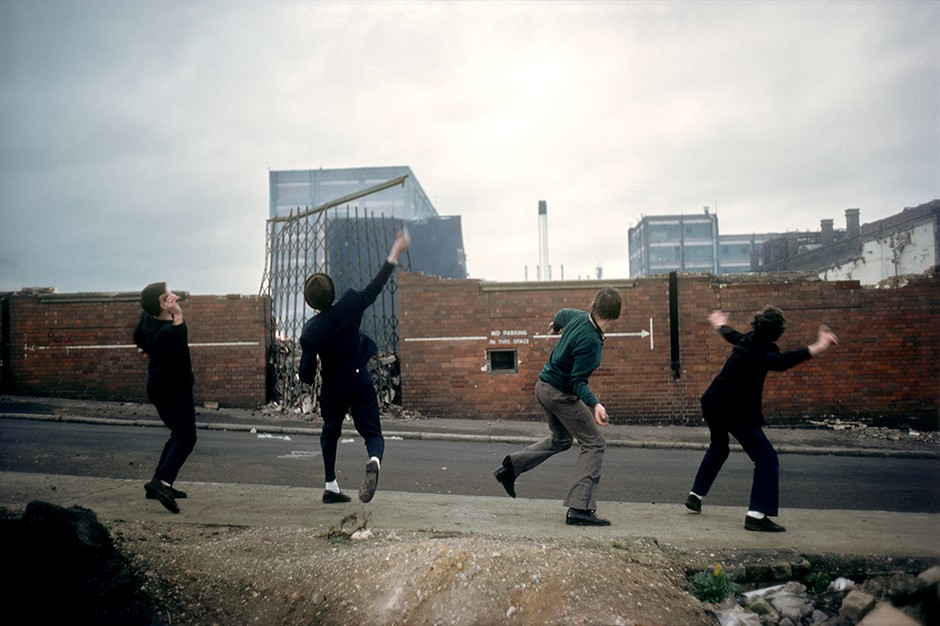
(904, 243)
(660, 244)
(437, 249)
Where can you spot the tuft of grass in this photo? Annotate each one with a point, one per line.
(817, 582)
(712, 585)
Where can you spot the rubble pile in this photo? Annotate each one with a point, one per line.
(898, 599)
(928, 438)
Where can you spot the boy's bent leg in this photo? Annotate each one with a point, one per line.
(579, 420)
(712, 462)
(366, 417)
(560, 439)
(178, 413)
(765, 487)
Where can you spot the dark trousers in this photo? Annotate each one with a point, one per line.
(176, 408)
(357, 398)
(765, 486)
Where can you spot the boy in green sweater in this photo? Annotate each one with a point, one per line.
(571, 409)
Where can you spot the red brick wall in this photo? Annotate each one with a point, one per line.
(80, 345)
(884, 371)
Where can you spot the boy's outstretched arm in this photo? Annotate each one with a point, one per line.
(373, 289)
(402, 244)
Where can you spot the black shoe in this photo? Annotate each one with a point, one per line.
(370, 482)
(331, 497)
(693, 503)
(584, 517)
(164, 494)
(177, 494)
(507, 478)
(764, 524)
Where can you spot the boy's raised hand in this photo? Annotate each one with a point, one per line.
(824, 339)
(402, 244)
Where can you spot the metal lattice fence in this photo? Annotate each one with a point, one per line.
(350, 245)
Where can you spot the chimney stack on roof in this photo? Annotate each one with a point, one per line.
(852, 226)
(826, 230)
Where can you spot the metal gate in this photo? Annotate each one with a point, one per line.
(350, 245)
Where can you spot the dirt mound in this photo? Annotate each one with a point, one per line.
(288, 575)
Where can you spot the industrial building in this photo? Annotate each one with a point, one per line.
(660, 244)
(905, 243)
(902, 244)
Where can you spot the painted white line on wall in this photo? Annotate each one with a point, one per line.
(417, 339)
(125, 346)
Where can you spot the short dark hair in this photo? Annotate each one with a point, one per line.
(319, 292)
(769, 323)
(150, 298)
(607, 304)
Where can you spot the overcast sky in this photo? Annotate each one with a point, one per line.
(136, 137)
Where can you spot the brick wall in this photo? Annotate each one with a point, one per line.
(885, 371)
(80, 345)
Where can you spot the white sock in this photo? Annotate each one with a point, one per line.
(376, 459)
(755, 514)
(166, 484)
(333, 486)
(692, 493)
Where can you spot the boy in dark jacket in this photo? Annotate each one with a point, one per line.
(163, 337)
(333, 335)
(732, 406)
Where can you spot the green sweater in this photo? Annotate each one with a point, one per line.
(576, 355)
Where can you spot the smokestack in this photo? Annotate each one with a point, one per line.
(852, 228)
(545, 271)
(826, 231)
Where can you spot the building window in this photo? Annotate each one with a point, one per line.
(659, 233)
(502, 361)
(664, 254)
(698, 231)
(698, 254)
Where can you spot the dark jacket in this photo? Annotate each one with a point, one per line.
(167, 346)
(334, 335)
(735, 394)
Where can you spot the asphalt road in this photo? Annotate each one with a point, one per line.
(463, 468)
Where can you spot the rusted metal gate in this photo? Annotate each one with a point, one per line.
(350, 245)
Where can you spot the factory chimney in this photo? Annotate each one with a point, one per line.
(545, 270)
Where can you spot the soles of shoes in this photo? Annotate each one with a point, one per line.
(370, 482)
(164, 496)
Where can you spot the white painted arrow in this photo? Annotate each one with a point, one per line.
(640, 334)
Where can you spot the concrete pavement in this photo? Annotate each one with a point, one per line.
(719, 528)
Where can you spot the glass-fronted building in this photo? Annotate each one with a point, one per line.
(660, 244)
(291, 189)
